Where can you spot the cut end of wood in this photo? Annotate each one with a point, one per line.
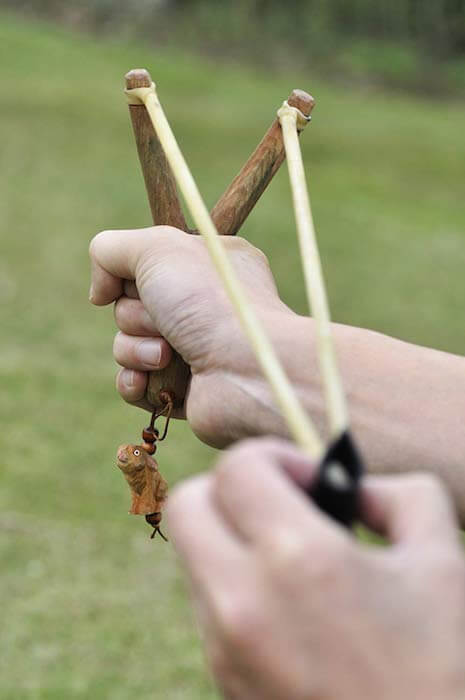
(138, 77)
(302, 100)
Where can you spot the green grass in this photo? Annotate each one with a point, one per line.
(90, 607)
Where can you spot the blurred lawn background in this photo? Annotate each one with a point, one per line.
(91, 608)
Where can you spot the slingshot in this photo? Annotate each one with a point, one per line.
(164, 167)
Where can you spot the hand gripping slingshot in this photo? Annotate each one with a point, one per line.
(335, 489)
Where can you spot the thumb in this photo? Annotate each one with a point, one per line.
(117, 255)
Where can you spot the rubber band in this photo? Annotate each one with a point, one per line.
(301, 119)
(313, 272)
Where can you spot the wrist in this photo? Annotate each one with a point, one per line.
(250, 407)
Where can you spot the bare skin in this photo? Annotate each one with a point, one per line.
(290, 606)
(407, 403)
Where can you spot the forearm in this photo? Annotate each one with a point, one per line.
(407, 403)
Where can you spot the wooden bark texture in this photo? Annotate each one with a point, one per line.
(234, 206)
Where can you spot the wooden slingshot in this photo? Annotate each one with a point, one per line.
(228, 214)
(164, 167)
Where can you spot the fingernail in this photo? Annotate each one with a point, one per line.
(127, 377)
(149, 352)
(91, 293)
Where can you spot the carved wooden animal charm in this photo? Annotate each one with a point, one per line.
(149, 490)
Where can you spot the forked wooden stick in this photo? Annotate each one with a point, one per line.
(234, 206)
(298, 422)
(229, 213)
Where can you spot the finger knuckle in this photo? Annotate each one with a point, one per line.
(260, 257)
(165, 235)
(242, 244)
(320, 563)
(97, 241)
(238, 622)
(288, 553)
(235, 465)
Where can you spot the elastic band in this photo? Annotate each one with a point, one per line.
(137, 96)
(301, 119)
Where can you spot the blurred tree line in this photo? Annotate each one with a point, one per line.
(437, 24)
(399, 41)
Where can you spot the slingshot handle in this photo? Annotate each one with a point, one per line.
(166, 209)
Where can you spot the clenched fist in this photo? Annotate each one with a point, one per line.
(167, 296)
(292, 607)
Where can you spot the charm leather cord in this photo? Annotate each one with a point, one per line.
(166, 411)
(150, 434)
(157, 529)
(300, 425)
